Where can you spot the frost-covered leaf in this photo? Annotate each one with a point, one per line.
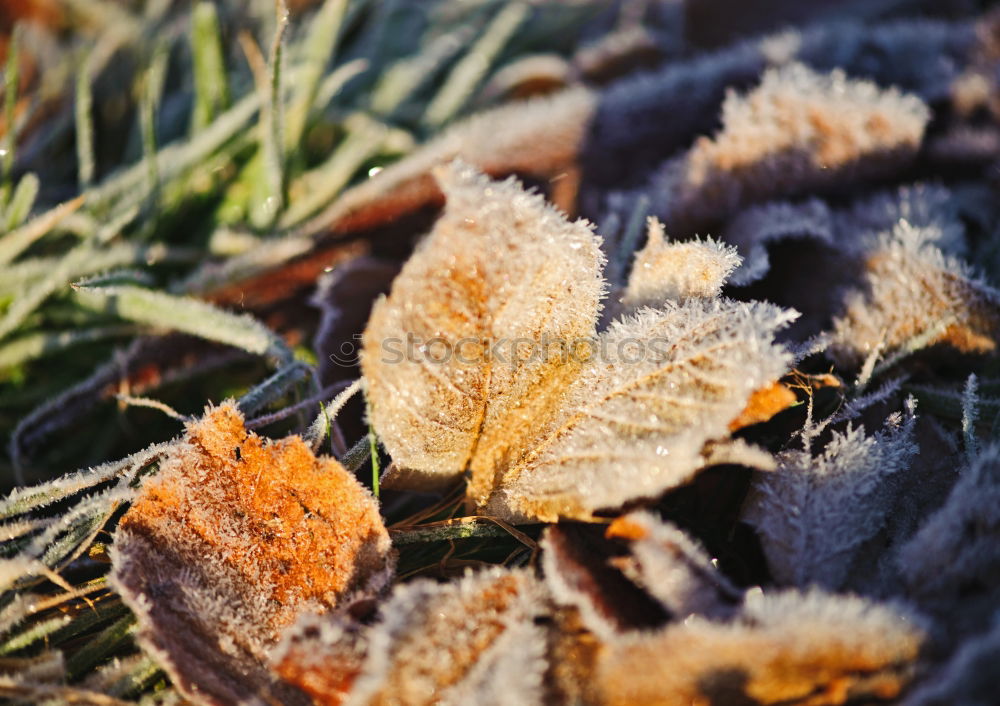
(815, 511)
(635, 422)
(665, 270)
(786, 648)
(797, 131)
(322, 656)
(913, 295)
(229, 542)
(955, 555)
(640, 575)
(449, 385)
(967, 678)
(345, 298)
(646, 118)
(672, 568)
(472, 641)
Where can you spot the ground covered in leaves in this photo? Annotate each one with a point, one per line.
(500, 352)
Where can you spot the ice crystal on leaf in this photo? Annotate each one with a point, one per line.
(815, 511)
(230, 541)
(594, 424)
(914, 292)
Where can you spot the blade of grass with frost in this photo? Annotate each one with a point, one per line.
(97, 649)
(17, 241)
(320, 428)
(471, 69)
(970, 415)
(211, 87)
(36, 633)
(84, 123)
(274, 387)
(27, 499)
(173, 160)
(58, 278)
(25, 274)
(317, 51)
(12, 77)
(64, 537)
(321, 185)
(45, 343)
(334, 82)
(21, 202)
(149, 104)
(407, 76)
(186, 315)
(269, 197)
(143, 675)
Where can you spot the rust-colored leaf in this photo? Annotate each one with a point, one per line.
(231, 540)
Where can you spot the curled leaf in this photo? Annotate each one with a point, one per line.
(229, 542)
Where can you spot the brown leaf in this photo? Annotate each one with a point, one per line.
(914, 295)
(472, 641)
(805, 649)
(797, 131)
(636, 421)
(443, 396)
(233, 538)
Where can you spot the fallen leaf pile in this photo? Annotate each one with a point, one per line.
(676, 382)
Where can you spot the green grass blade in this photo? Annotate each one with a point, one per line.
(270, 192)
(17, 241)
(21, 202)
(211, 86)
(186, 315)
(12, 77)
(84, 123)
(468, 72)
(318, 50)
